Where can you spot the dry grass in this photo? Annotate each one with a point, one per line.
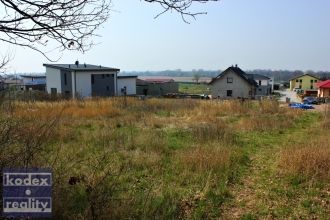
(308, 160)
(209, 158)
(143, 158)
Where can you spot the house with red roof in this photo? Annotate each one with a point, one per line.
(323, 88)
(159, 80)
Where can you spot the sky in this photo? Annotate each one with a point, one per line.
(254, 34)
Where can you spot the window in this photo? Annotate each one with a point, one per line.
(32, 79)
(102, 76)
(259, 82)
(112, 75)
(108, 75)
(311, 87)
(92, 78)
(315, 80)
(229, 80)
(297, 80)
(65, 79)
(301, 80)
(230, 93)
(53, 90)
(311, 80)
(259, 90)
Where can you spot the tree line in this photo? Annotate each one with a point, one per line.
(280, 75)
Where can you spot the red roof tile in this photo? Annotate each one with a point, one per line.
(324, 84)
(159, 80)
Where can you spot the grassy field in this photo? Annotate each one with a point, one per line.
(122, 158)
(195, 88)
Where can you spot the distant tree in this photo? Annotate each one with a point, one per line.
(296, 73)
(310, 72)
(196, 77)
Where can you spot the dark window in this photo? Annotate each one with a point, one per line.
(259, 89)
(297, 80)
(102, 76)
(107, 88)
(53, 90)
(92, 78)
(64, 78)
(32, 79)
(315, 80)
(311, 87)
(301, 80)
(108, 75)
(67, 92)
(229, 80)
(112, 75)
(259, 82)
(311, 80)
(229, 92)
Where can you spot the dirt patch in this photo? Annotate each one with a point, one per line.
(320, 108)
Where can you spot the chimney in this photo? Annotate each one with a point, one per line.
(77, 62)
(235, 65)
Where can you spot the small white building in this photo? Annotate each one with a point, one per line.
(82, 79)
(126, 85)
(33, 79)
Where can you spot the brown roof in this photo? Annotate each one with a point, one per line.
(159, 80)
(13, 81)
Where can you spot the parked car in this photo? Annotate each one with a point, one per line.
(310, 100)
(298, 90)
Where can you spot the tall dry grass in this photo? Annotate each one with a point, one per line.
(141, 159)
(308, 159)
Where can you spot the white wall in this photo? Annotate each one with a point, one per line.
(28, 80)
(53, 79)
(271, 82)
(130, 84)
(83, 83)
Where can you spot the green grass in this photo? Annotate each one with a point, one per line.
(174, 159)
(195, 89)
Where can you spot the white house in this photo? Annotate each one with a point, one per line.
(126, 84)
(233, 83)
(33, 79)
(265, 84)
(82, 79)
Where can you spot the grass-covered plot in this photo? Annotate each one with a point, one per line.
(122, 158)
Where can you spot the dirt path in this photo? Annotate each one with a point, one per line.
(249, 196)
(262, 193)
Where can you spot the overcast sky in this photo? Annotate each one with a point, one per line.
(255, 34)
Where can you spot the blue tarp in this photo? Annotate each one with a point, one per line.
(301, 105)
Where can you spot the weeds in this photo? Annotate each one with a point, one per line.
(122, 157)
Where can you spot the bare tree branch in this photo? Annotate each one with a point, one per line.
(66, 24)
(180, 6)
(5, 59)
